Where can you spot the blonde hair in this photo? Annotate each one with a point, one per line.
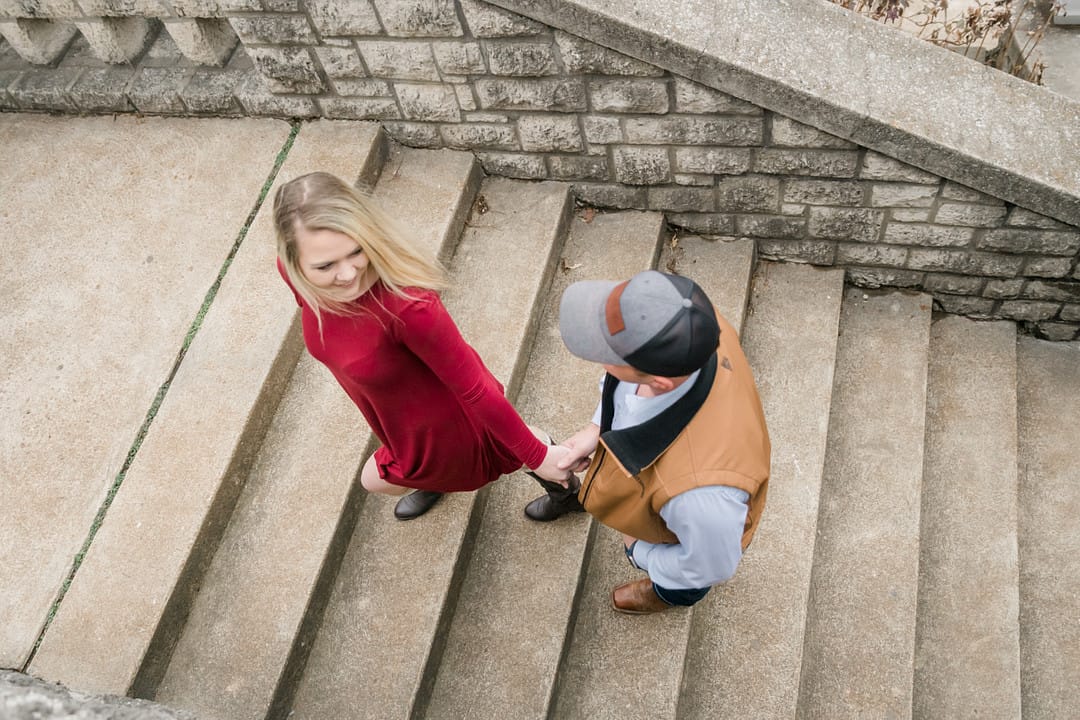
(321, 201)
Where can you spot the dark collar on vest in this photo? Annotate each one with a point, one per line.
(638, 447)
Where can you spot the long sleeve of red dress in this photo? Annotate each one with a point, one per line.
(440, 414)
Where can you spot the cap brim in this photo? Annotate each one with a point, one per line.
(581, 321)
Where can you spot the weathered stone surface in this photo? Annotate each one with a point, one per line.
(213, 8)
(1048, 267)
(1048, 290)
(920, 215)
(157, 90)
(609, 195)
(546, 133)
(1028, 310)
(37, 41)
(695, 131)
(1003, 288)
(431, 103)
(420, 135)
(712, 160)
(817, 163)
(1058, 332)
(928, 235)
(343, 62)
(23, 697)
(1022, 217)
(488, 21)
(807, 251)
(465, 98)
(902, 195)
(704, 223)
(876, 166)
(1044, 242)
(861, 254)
(363, 87)
(8, 78)
(213, 93)
(966, 305)
(601, 130)
(580, 56)
(772, 226)
(682, 199)
(459, 58)
(103, 90)
(46, 89)
(117, 40)
(478, 135)
(642, 165)
(578, 167)
(968, 263)
(513, 165)
(257, 99)
(824, 192)
(748, 194)
(883, 277)
(955, 191)
(522, 59)
(1070, 313)
(287, 69)
(696, 180)
(970, 215)
(692, 97)
(419, 18)
(343, 17)
(630, 95)
(546, 95)
(400, 60)
(206, 41)
(789, 133)
(274, 29)
(954, 284)
(360, 108)
(859, 224)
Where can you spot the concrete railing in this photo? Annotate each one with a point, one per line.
(825, 137)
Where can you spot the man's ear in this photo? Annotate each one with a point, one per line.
(661, 384)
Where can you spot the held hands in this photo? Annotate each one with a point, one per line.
(551, 469)
(580, 446)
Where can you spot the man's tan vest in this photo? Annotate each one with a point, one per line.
(713, 435)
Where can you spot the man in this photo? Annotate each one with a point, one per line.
(681, 463)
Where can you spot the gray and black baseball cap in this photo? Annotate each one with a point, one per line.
(654, 322)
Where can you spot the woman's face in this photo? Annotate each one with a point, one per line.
(334, 263)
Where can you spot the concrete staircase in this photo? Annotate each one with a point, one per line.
(918, 556)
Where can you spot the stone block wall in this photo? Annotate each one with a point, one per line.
(535, 102)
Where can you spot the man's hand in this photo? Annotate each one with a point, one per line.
(551, 469)
(580, 446)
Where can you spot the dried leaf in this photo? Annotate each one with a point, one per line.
(587, 214)
(567, 267)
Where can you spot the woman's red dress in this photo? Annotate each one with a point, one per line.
(441, 415)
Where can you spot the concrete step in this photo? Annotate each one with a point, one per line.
(386, 622)
(118, 623)
(967, 639)
(507, 635)
(622, 666)
(1048, 414)
(84, 356)
(250, 626)
(860, 626)
(746, 644)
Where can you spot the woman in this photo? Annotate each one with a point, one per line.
(372, 315)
